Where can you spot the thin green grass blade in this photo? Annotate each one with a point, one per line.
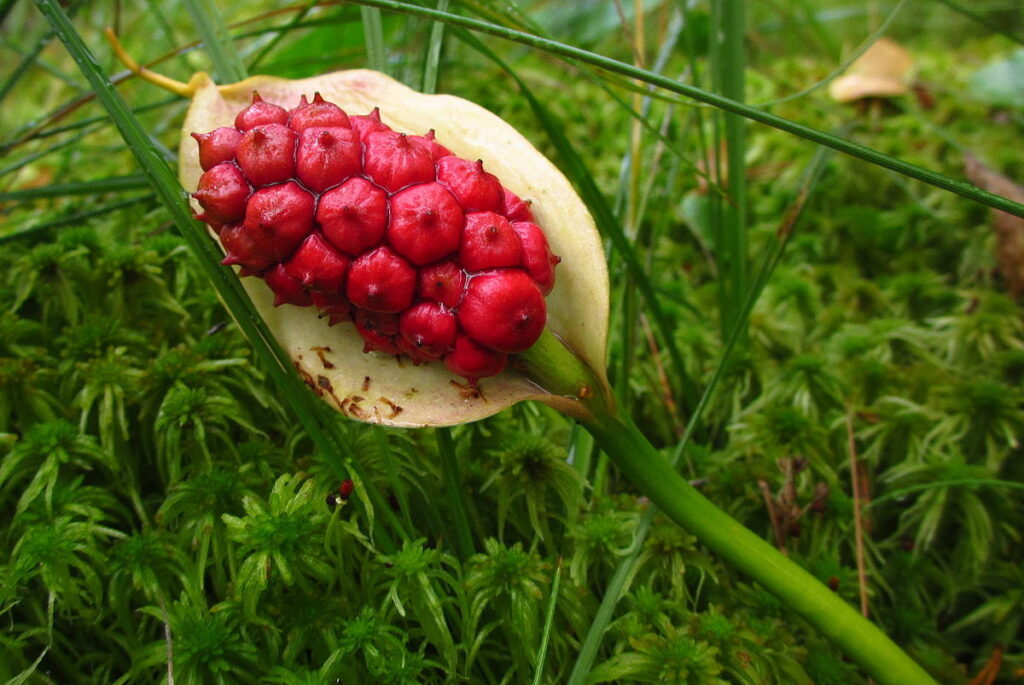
(373, 32)
(455, 493)
(549, 622)
(983, 20)
(114, 184)
(728, 66)
(853, 57)
(27, 60)
(292, 23)
(430, 64)
(954, 483)
(814, 135)
(75, 219)
(627, 567)
(227, 64)
(322, 428)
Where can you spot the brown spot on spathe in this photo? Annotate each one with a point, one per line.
(366, 383)
(395, 409)
(321, 352)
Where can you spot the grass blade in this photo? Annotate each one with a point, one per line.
(373, 31)
(227, 64)
(814, 135)
(454, 493)
(433, 59)
(101, 185)
(549, 621)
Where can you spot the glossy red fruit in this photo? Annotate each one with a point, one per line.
(428, 328)
(489, 242)
(317, 265)
(444, 283)
(503, 309)
(538, 260)
(279, 218)
(267, 154)
(365, 124)
(475, 189)
(373, 341)
(437, 151)
(426, 223)
(473, 361)
(222, 192)
(516, 209)
(378, 331)
(219, 145)
(424, 251)
(287, 289)
(319, 114)
(381, 281)
(245, 250)
(260, 113)
(325, 157)
(393, 161)
(354, 215)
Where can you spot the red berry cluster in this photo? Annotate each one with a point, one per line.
(427, 253)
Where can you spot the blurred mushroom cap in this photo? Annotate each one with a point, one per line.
(880, 72)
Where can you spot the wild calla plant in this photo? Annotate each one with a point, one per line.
(564, 368)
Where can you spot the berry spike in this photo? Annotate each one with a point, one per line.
(424, 252)
(260, 113)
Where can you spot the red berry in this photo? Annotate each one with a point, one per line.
(381, 281)
(287, 289)
(354, 215)
(267, 154)
(428, 328)
(222, 192)
(488, 242)
(437, 151)
(538, 260)
(319, 113)
(244, 249)
(317, 265)
(219, 145)
(346, 488)
(379, 322)
(475, 189)
(426, 223)
(473, 361)
(365, 124)
(503, 309)
(325, 157)
(425, 252)
(443, 282)
(393, 161)
(516, 209)
(377, 342)
(378, 331)
(260, 113)
(279, 217)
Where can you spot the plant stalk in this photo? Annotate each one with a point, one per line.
(558, 369)
(651, 473)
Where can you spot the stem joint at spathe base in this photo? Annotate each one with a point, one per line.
(571, 384)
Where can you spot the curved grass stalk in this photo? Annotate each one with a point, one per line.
(814, 135)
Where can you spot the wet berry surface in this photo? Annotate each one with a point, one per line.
(423, 252)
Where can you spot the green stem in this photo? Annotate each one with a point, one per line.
(651, 473)
(555, 367)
